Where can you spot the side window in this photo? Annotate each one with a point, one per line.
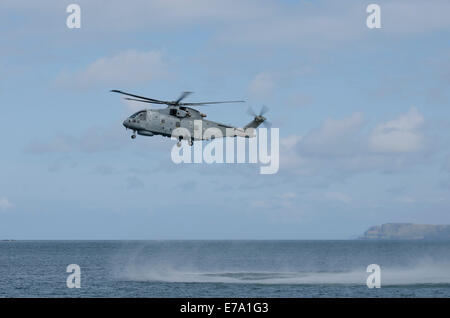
(162, 121)
(143, 116)
(177, 124)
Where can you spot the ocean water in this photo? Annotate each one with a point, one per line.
(225, 268)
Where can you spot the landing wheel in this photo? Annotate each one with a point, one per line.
(133, 136)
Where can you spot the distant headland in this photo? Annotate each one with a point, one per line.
(407, 231)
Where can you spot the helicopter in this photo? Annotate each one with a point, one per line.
(168, 121)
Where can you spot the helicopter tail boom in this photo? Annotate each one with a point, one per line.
(255, 122)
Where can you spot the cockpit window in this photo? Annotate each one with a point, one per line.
(141, 115)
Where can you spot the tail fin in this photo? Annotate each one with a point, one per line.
(255, 122)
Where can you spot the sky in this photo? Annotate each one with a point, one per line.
(363, 115)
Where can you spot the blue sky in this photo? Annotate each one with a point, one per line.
(363, 117)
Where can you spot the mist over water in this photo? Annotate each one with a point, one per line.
(289, 262)
(390, 277)
(225, 268)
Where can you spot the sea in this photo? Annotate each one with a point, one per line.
(224, 268)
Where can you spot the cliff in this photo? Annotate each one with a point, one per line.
(407, 231)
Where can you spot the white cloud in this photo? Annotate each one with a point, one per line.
(335, 136)
(5, 203)
(415, 16)
(262, 85)
(299, 100)
(95, 139)
(399, 135)
(406, 199)
(290, 141)
(275, 202)
(446, 165)
(245, 22)
(125, 68)
(342, 147)
(290, 158)
(303, 24)
(255, 204)
(288, 195)
(338, 196)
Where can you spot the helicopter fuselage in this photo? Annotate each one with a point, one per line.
(165, 122)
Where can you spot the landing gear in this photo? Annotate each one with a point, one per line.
(180, 138)
(133, 136)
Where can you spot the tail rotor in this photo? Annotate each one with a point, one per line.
(259, 118)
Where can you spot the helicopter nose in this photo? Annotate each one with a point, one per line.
(125, 123)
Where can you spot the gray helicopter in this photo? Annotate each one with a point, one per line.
(169, 121)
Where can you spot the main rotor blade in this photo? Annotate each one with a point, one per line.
(141, 97)
(207, 103)
(174, 103)
(182, 96)
(143, 101)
